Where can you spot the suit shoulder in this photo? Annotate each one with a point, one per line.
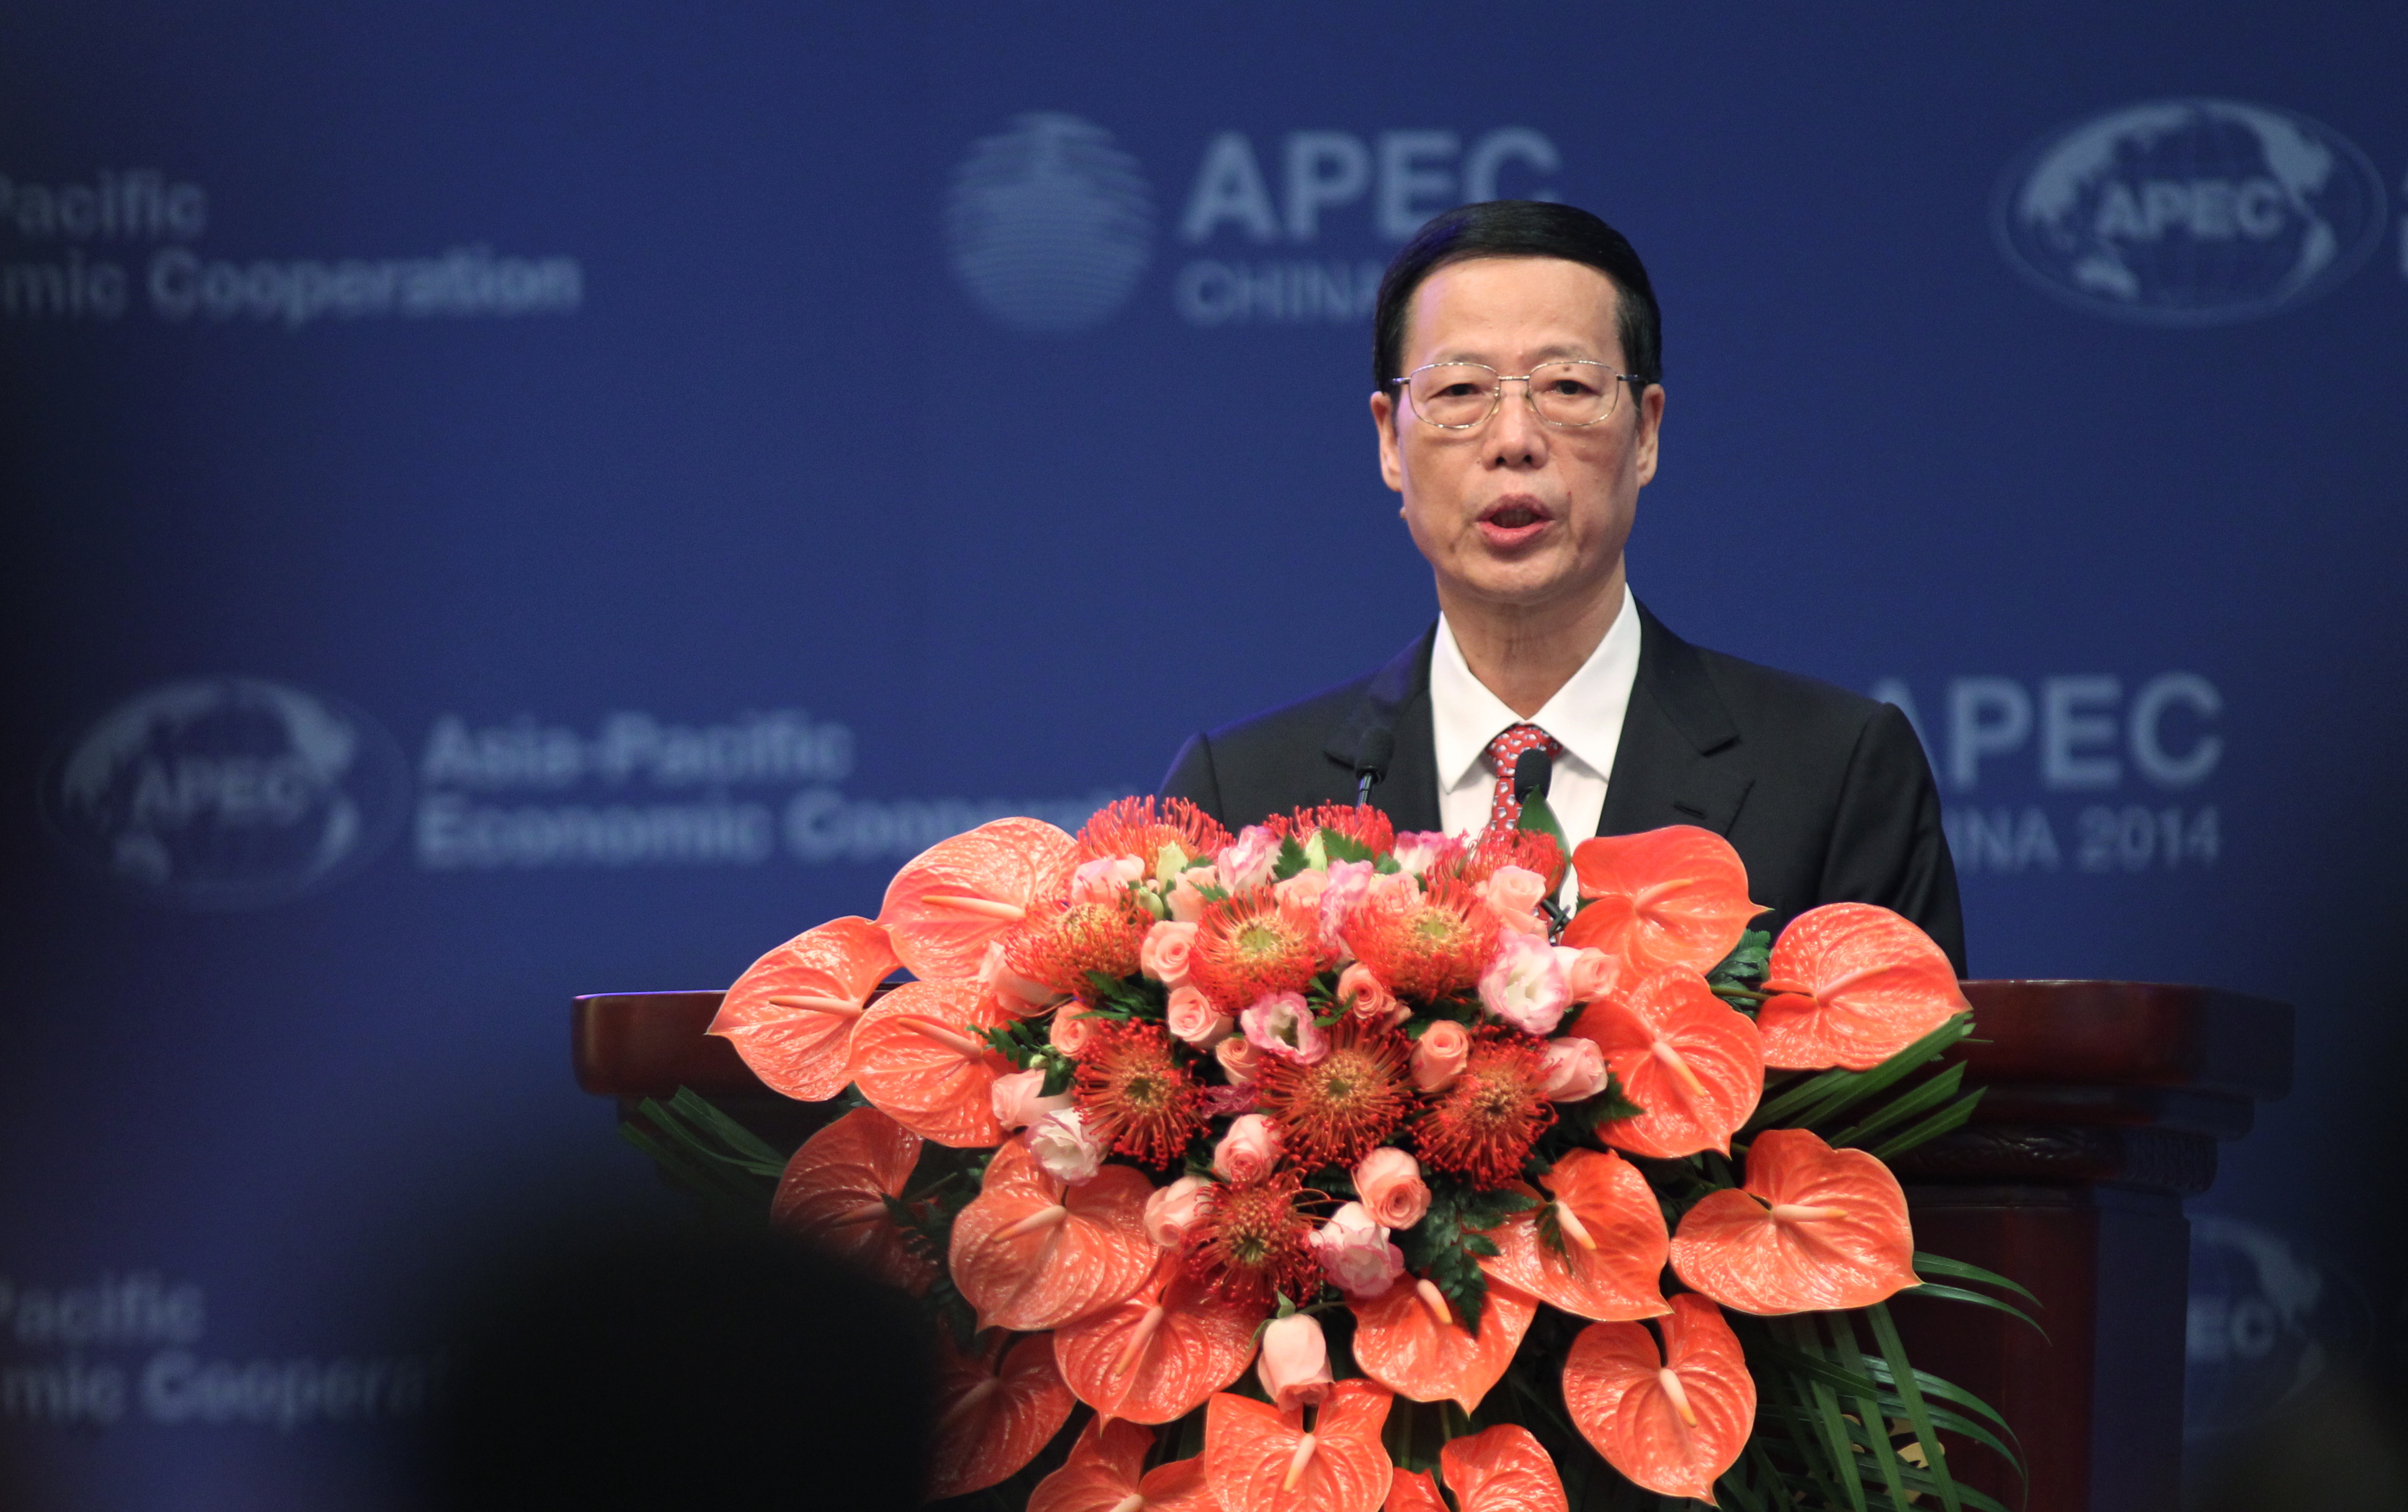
(1308, 722)
(1760, 697)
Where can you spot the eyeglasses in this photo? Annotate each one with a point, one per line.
(1460, 396)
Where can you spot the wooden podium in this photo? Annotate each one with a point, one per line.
(2105, 1102)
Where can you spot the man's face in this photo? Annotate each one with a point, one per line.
(1515, 513)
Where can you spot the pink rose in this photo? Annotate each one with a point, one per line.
(1248, 1151)
(1165, 951)
(1282, 1024)
(1187, 899)
(1105, 878)
(1514, 891)
(1071, 1028)
(1439, 1054)
(1523, 985)
(1063, 1145)
(1295, 1362)
(1356, 1254)
(1304, 889)
(1390, 1184)
(1020, 1099)
(1015, 994)
(1575, 1070)
(1365, 995)
(1417, 850)
(1247, 861)
(1194, 1020)
(1173, 1211)
(1588, 974)
(1239, 1061)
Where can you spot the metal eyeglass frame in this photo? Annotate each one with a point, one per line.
(1496, 394)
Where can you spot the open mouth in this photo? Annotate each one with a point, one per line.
(1511, 521)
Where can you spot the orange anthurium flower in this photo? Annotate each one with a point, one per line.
(1855, 985)
(1671, 897)
(791, 1015)
(1501, 1469)
(1031, 1253)
(1674, 1423)
(1692, 1061)
(1409, 1339)
(1816, 1229)
(1160, 1353)
(995, 1410)
(1613, 1242)
(1413, 1490)
(1106, 1473)
(951, 900)
(919, 1058)
(834, 1194)
(1261, 1460)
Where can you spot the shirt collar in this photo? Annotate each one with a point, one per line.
(1584, 716)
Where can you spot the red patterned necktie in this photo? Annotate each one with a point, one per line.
(1505, 810)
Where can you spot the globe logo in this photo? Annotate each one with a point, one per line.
(227, 792)
(2190, 212)
(2267, 1322)
(1050, 224)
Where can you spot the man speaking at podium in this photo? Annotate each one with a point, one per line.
(1519, 402)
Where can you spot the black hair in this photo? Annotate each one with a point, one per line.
(1521, 228)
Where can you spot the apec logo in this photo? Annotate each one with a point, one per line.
(2191, 212)
(227, 792)
(1050, 224)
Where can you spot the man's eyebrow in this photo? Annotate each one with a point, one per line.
(1544, 354)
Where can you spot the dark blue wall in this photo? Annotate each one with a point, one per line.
(507, 502)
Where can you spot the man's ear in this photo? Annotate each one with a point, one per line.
(1651, 426)
(1383, 419)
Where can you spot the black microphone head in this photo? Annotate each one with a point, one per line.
(1531, 774)
(1377, 749)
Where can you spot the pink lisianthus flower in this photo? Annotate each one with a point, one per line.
(1282, 1024)
(1418, 850)
(1350, 883)
(1356, 1254)
(1440, 1055)
(1525, 984)
(1248, 1151)
(1019, 1100)
(1105, 878)
(1247, 861)
(1186, 897)
(1163, 955)
(1575, 1070)
(1514, 892)
(1063, 1144)
(1390, 1183)
(1192, 1018)
(1172, 1212)
(1295, 1362)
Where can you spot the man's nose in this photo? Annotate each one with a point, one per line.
(1516, 437)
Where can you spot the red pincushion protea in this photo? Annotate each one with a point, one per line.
(1252, 1240)
(1134, 1093)
(1425, 947)
(1140, 827)
(1250, 947)
(1526, 848)
(1338, 1109)
(1058, 950)
(1360, 823)
(1482, 1127)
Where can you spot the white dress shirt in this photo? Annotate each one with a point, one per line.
(1584, 717)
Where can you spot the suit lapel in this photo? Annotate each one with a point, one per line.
(1663, 773)
(1398, 698)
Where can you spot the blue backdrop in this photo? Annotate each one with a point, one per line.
(506, 503)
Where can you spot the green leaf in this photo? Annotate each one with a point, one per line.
(1935, 1458)
(1927, 1264)
(1338, 847)
(1923, 1099)
(1817, 1099)
(1952, 1293)
(1747, 963)
(1447, 1244)
(1290, 861)
(1950, 1118)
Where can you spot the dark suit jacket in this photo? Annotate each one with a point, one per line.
(1824, 794)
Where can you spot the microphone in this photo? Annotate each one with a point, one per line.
(1532, 772)
(1371, 758)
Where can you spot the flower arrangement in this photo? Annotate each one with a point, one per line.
(1317, 1158)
